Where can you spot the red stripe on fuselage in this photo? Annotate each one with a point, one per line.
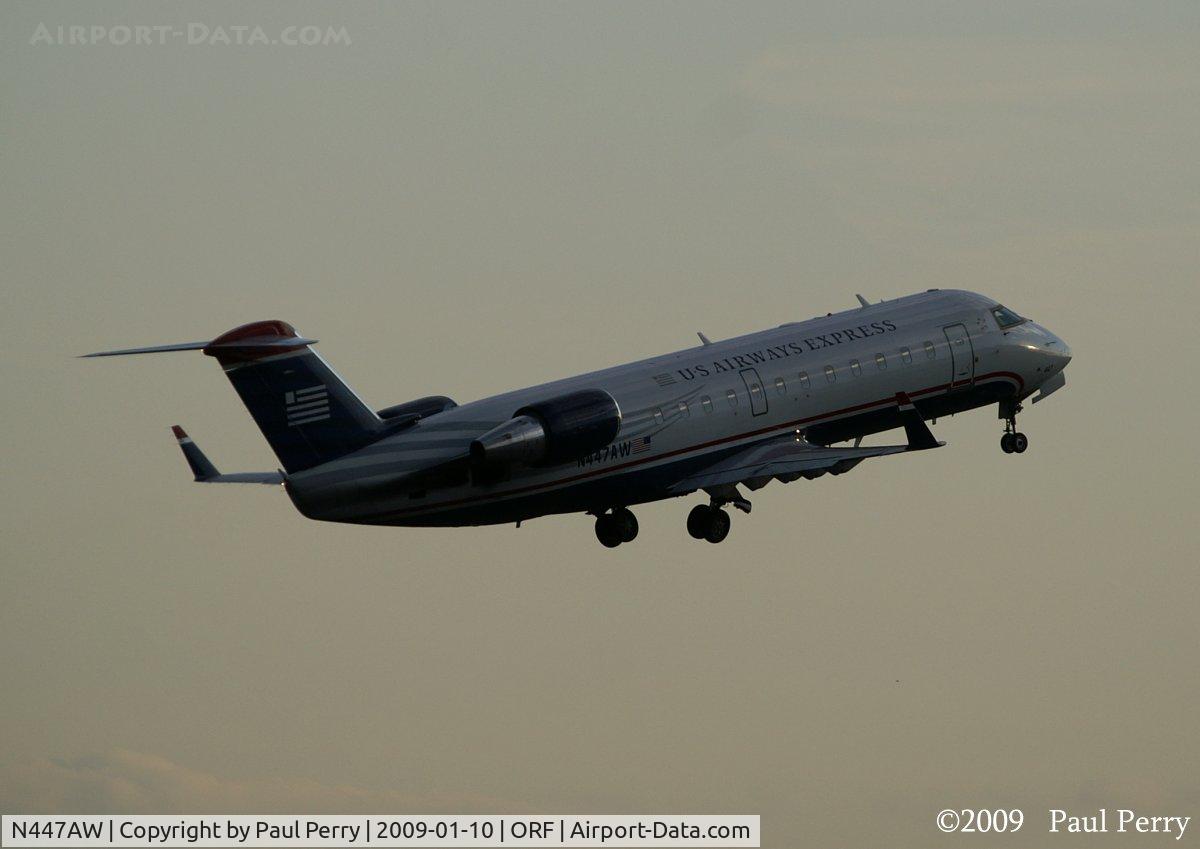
(710, 444)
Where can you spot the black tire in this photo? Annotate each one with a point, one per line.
(1006, 443)
(627, 524)
(1020, 442)
(608, 531)
(698, 520)
(718, 526)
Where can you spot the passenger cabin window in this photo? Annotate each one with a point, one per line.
(1005, 317)
(804, 379)
(658, 416)
(732, 396)
(755, 390)
(706, 403)
(881, 361)
(780, 385)
(906, 355)
(830, 374)
(684, 410)
(855, 368)
(930, 351)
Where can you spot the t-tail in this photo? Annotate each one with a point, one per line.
(307, 413)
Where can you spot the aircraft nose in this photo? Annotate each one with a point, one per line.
(1059, 348)
(1053, 353)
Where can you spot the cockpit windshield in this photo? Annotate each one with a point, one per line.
(1006, 317)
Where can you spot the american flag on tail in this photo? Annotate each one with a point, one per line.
(307, 405)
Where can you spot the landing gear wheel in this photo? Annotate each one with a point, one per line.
(627, 523)
(718, 526)
(697, 521)
(1013, 442)
(608, 530)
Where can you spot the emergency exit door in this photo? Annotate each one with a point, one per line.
(754, 386)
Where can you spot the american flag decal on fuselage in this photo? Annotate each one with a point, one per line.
(637, 446)
(305, 406)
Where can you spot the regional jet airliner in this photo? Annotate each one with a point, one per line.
(777, 405)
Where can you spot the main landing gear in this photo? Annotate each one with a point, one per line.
(710, 522)
(1013, 441)
(616, 527)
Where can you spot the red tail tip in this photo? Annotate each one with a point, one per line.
(254, 341)
(273, 329)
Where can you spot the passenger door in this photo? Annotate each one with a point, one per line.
(962, 357)
(754, 386)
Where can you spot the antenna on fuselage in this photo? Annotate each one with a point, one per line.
(703, 338)
(862, 300)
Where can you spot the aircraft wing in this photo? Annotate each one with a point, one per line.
(203, 471)
(792, 457)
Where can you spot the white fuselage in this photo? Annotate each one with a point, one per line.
(833, 378)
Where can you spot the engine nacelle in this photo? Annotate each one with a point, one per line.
(519, 440)
(552, 431)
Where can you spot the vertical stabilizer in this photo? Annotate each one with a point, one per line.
(307, 413)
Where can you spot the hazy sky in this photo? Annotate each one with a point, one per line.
(470, 198)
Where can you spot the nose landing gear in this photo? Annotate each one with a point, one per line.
(616, 527)
(1013, 441)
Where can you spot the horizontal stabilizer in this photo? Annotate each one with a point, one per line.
(203, 471)
(153, 349)
(262, 338)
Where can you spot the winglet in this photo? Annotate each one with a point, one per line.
(919, 434)
(203, 471)
(202, 468)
